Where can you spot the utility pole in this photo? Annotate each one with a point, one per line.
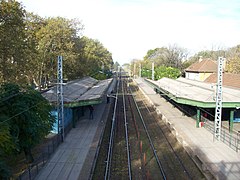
(134, 70)
(119, 71)
(218, 110)
(60, 98)
(153, 70)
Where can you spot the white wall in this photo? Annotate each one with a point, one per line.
(192, 76)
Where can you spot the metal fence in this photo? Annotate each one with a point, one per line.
(41, 158)
(232, 139)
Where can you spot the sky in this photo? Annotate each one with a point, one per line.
(129, 28)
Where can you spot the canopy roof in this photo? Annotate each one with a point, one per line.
(196, 93)
(80, 92)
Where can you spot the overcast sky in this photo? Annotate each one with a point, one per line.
(129, 28)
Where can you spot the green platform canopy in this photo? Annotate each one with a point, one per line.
(195, 93)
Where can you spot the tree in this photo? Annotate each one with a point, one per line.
(33, 24)
(135, 66)
(57, 37)
(7, 142)
(151, 53)
(171, 56)
(27, 114)
(211, 54)
(6, 148)
(175, 56)
(168, 72)
(126, 67)
(233, 60)
(12, 40)
(146, 72)
(93, 57)
(115, 66)
(29, 46)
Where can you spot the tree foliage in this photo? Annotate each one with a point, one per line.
(12, 40)
(168, 62)
(146, 72)
(233, 60)
(30, 44)
(208, 54)
(25, 119)
(171, 56)
(56, 37)
(7, 146)
(115, 66)
(160, 72)
(169, 72)
(92, 58)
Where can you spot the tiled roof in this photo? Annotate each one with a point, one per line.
(231, 80)
(205, 65)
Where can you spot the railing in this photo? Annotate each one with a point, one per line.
(41, 158)
(232, 139)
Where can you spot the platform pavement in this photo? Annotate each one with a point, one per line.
(215, 156)
(70, 158)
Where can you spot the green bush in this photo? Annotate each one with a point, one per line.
(168, 72)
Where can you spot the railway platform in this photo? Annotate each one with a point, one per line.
(214, 156)
(74, 157)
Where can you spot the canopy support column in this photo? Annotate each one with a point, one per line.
(198, 117)
(231, 121)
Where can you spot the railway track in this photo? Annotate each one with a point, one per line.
(140, 145)
(119, 162)
(175, 161)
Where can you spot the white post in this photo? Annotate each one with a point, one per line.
(134, 70)
(153, 70)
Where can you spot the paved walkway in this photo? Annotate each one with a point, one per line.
(218, 158)
(67, 161)
(76, 153)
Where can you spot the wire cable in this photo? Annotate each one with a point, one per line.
(21, 112)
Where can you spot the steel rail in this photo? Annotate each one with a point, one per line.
(140, 155)
(171, 147)
(150, 141)
(109, 156)
(126, 135)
